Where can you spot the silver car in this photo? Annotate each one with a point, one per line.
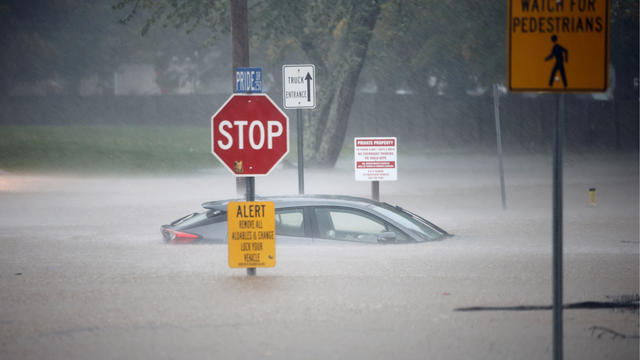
(314, 219)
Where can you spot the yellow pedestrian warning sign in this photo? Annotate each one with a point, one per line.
(251, 234)
(558, 45)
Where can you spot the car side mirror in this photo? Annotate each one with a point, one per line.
(386, 237)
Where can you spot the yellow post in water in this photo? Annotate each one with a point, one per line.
(592, 196)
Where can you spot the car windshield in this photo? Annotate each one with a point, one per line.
(410, 222)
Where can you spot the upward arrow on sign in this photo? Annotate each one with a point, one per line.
(308, 78)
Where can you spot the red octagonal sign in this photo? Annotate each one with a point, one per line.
(250, 134)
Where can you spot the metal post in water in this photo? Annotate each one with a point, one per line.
(375, 190)
(251, 196)
(300, 152)
(496, 110)
(592, 196)
(558, 139)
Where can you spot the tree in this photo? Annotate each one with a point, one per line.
(425, 44)
(70, 40)
(624, 47)
(333, 34)
(463, 43)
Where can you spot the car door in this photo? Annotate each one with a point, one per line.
(341, 224)
(292, 226)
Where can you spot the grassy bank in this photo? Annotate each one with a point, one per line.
(105, 149)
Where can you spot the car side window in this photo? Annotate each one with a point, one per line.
(350, 225)
(290, 222)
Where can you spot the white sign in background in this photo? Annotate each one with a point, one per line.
(376, 158)
(299, 86)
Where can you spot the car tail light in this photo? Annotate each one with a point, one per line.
(179, 237)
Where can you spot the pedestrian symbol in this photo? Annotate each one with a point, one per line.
(561, 56)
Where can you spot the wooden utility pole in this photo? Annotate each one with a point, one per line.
(239, 54)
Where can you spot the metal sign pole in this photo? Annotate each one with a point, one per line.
(299, 92)
(300, 152)
(375, 190)
(251, 196)
(557, 228)
(496, 110)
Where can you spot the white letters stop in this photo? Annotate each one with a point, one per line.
(274, 129)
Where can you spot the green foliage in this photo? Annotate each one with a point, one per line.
(310, 26)
(461, 42)
(50, 37)
(624, 46)
(187, 14)
(43, 40)
(313, 26)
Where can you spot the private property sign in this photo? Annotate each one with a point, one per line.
(376, 159)
(558, 45)
(251, 235)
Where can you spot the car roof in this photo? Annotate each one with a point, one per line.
(300, 200)
(287, 201)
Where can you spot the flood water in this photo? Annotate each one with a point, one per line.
(84, 272)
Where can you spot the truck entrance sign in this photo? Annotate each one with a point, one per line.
(249, 134)
(299, 86)
(251, 234)
(375, 158)
(558, 46)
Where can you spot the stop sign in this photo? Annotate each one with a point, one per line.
(249, 134)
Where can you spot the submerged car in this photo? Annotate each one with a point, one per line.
(313, 219)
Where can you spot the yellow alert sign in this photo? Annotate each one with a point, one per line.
(251, 234)
(558, 45)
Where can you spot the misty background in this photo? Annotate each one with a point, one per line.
(426, 78)
(105, 136)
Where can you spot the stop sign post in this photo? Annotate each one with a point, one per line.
(249, 134)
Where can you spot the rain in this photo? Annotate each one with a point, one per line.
(106, 135)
